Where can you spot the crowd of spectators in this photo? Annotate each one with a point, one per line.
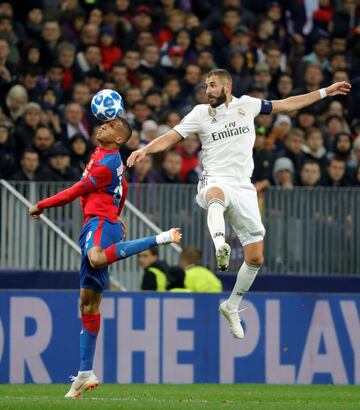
(56, 54)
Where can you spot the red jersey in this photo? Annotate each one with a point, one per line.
(102, 188)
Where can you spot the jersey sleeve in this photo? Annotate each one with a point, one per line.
(64, 197)
(258, 106)
(190, 124)
(96, 177)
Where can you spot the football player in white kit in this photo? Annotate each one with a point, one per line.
(227, 133)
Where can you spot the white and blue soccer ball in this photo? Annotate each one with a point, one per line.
(107, 105)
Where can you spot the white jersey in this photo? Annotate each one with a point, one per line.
(227, 135)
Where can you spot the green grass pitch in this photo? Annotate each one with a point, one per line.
(189, 397)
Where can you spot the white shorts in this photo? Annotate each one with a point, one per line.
(242, 208)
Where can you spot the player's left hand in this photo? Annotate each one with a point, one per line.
(339, 88)
(35, 212)
(123, 225)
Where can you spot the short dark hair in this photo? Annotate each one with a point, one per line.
(28, 151)
(221, 73)
(126, 127)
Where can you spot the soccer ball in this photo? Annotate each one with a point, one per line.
(107, 105)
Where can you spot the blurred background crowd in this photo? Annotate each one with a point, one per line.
(56, 54)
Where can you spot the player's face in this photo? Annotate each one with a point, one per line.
(216, 91)
(110, 133)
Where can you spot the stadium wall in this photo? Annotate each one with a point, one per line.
(180, 338)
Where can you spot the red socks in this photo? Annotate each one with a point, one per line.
(91, 322)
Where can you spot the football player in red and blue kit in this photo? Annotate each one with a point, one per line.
(102, 191)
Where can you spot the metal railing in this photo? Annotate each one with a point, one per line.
(309, 231)
(51, 243)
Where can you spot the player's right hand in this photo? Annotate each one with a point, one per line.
(135, 156)
(35, 212)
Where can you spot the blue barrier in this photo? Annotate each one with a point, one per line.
(180, 338)
(38, 279)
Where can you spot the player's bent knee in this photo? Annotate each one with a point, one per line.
(214, 192)
(97, 259)
(255, 260)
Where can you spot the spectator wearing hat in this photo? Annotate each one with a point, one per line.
(110, 53)
(26, 126)
(283, 173)
(59, 168)
(173, 62)
(142, 19)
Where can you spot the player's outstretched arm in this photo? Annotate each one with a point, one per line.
(61, 198)
(157, 145)
(300, 101)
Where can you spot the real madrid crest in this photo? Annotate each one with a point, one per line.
(212, 111)
(240, 111)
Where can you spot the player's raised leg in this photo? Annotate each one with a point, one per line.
(90, 318)
(215, 200)
(99, 257)
(253, 255)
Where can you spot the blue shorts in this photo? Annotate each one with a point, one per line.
(98, 231)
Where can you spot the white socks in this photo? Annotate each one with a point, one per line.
(216, 221)
(244, 280)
